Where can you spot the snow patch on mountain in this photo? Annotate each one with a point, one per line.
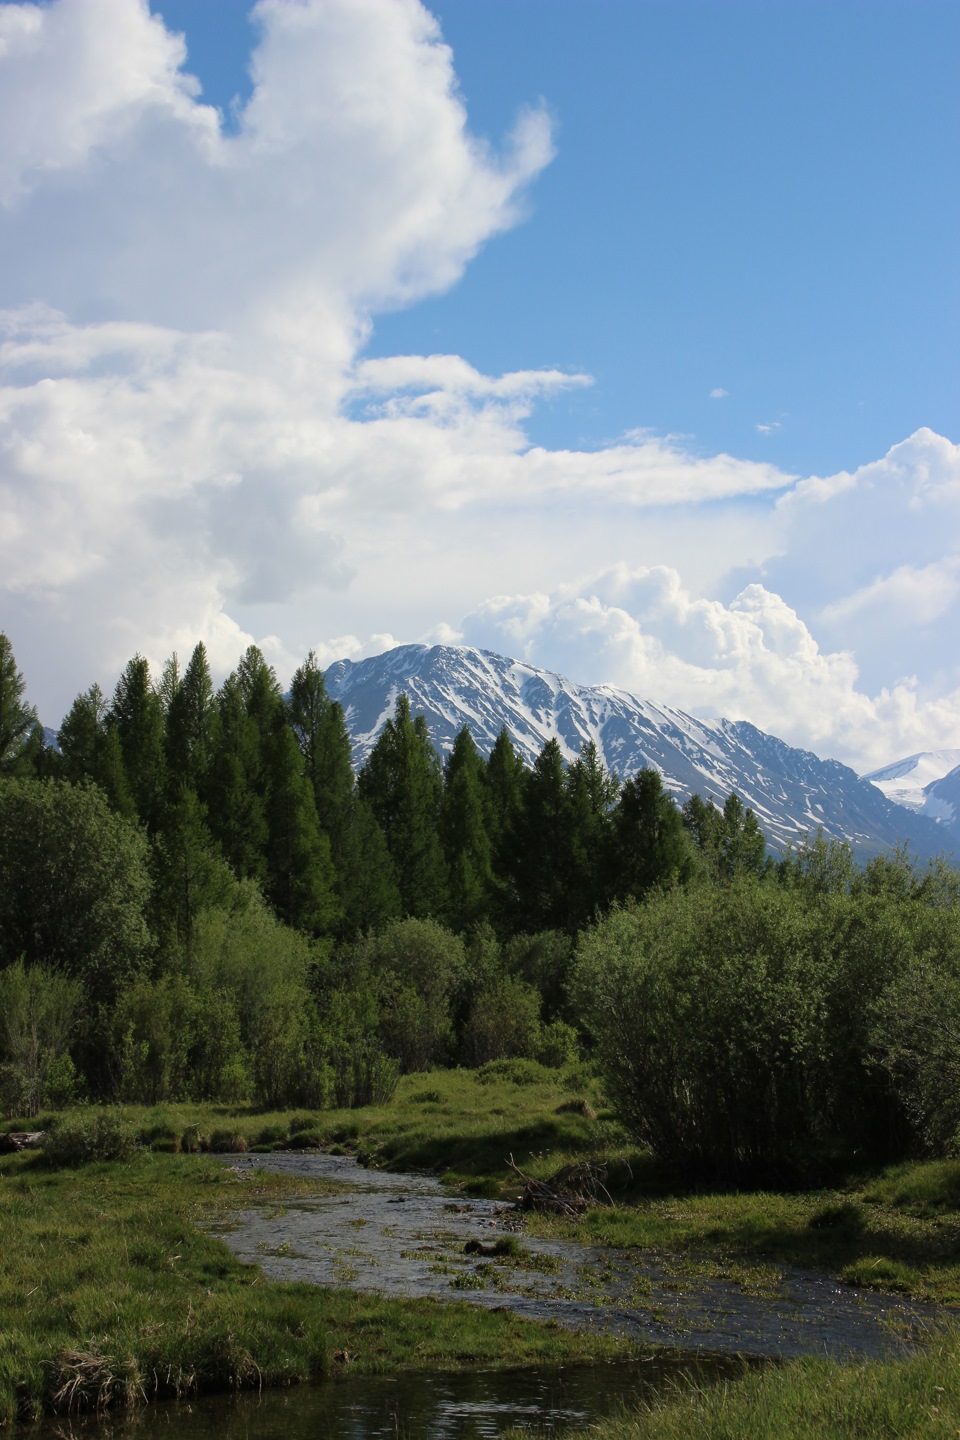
(792, 791)
(906, 781)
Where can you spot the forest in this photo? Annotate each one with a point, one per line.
(200, 900)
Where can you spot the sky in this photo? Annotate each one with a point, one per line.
(620, 336)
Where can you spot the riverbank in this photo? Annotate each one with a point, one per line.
(110, 1293)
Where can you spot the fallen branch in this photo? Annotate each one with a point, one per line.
(573, 1189)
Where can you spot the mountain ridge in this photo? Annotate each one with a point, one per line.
(792, 791)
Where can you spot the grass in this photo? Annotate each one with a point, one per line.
(110, 1293)
(914, 1399)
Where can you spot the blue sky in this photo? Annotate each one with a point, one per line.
(619, 334)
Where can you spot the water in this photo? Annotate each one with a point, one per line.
(463, 1405)
(406, 1235)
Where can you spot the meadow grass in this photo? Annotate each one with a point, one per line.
(110, 1293)
(911, 1399)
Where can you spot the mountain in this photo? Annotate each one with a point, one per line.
(792, 791)
(929, 785)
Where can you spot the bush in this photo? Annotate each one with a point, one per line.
(513, 1072)
(83, 1137)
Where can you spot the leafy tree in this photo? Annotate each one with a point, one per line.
(402, 783)
(74, 885)
(18, 721)
(38, 1016)
(419, 969)
(707, 1007)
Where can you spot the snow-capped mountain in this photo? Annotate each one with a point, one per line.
(928, 784)
(792, 791)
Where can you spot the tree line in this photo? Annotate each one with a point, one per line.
(200, 899)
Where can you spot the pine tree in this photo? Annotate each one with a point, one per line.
(301, 882)
(18, 721)
(189, 724)
(591, 793)
(506, 778)
(137, 717)
(321, 731)
(402, 783)
(463, 834)
(90, 749)
(542, 858)
(235, 789)
(369, 893)
(649, 844)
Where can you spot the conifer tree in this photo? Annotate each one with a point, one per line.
(506, 777)
(18, 721)
(321, 731)
(301, 883)
(90, 749)
(463, 834)
(234, 793)
(649, 844)
(591, 793)
(189, 723)
(369, 893)
(402, 783)
(542, 860)
(136, 716)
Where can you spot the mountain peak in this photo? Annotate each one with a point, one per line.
(792, 791)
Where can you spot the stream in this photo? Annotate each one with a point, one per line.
(406, 1235)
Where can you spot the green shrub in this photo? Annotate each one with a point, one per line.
(83, 1137)
(513, 1072)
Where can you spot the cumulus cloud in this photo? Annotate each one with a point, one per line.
(752, 659)
(194, 446)
(718, 393)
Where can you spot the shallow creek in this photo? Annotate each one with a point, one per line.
(406, 1235)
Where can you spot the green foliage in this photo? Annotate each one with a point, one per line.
(418, 968)
(87, 1136)
(402, 782)
(73, 885)
(504, 1023)
(707, 1008)
(18, 721)
(38, 1015)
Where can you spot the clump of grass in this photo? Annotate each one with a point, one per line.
(879, 1272)
(932, 1187)
(840, 1217)
(228, 1142)
(578, 1106)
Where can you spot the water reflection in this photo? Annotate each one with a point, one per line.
(464, 1405)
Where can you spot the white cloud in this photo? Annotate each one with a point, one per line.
(192, 445)
(719, 393)
(752, 659)
(767, 428)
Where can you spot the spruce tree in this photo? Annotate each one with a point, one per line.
(402, 783)
(189, 724)
(367, 877)
(542, 858)
(463, 834)
(649, 845)
(136, 716)
(321, 731)
(301, 883)
(234, 792)
(506, 777)
(18, 721)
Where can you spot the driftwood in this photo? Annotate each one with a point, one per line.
(573, 1189)
(20, 1140)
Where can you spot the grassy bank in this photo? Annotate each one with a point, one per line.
(916, 1399)
(110, 1293)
